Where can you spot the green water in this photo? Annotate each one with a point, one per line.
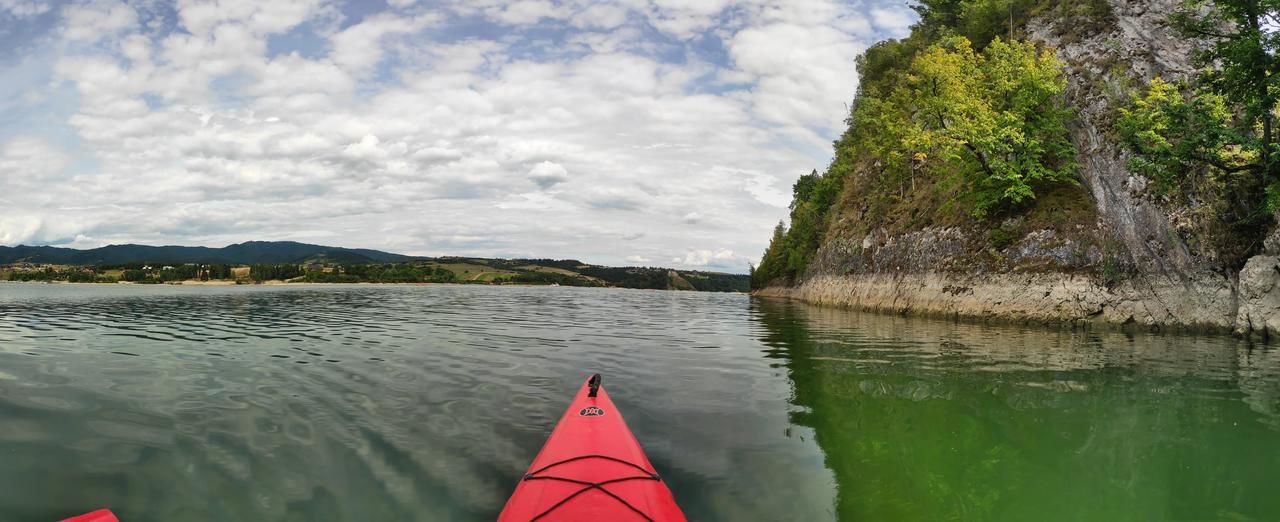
(927, 420)
(427, 402)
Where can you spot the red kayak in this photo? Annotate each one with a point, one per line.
(591, 469)
(101, 515)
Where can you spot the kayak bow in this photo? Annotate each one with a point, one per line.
(591, 469)
(101, 515)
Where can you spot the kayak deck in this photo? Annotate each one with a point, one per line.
(591, 468)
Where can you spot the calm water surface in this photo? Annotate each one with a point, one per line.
(427, 403)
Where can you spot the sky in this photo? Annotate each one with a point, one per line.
(621, 132)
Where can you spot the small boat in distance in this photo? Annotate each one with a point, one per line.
(591, 469)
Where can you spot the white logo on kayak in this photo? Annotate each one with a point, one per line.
(591, 411)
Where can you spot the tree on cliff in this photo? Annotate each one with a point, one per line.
(773, 264)
(1211, 144)
(1240, 61)
(986, 126)
(995, 117)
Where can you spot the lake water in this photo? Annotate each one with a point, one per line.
(369, 403)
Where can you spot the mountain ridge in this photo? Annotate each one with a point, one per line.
(246, 253)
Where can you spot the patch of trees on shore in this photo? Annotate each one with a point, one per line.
(383, 273)
(49, 274)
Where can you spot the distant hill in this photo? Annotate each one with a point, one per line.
(567, 272)
(248, 253)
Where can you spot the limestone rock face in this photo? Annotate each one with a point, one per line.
(1271, 246)
(1134, 266)
(1260, 296)
(1138, 47)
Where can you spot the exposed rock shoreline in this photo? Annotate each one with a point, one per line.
(1210, 303)
(1139, 265)
(945, 273)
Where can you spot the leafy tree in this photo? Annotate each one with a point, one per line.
(1177, 134)
(958, 105)
(773, 264)
(996, 114)
(133, 275)
(980, 21)
(1191, 145)
(266, 272)
(1240, 63)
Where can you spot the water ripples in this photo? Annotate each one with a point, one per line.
(409, 402)
(424, 403)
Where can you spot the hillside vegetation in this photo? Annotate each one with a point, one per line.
(259, 261)
(966, 124)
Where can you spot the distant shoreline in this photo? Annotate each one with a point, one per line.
(277, 283)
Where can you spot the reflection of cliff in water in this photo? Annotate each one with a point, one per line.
(933, 420)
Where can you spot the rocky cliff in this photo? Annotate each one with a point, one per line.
(1131, 258)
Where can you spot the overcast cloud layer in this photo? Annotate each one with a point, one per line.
(654, 132)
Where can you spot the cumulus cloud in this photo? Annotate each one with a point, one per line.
(359, 48)
(24, 8)
(893, 19)
(548, 174)
(97, 19)
(26, 159)
(609, 131)
(704, 257)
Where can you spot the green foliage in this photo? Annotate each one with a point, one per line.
(986, 120)
(546, 278)
(982, 21)
(1075, 20)
(1239, 57)
(1210, 145)
(773, 264)
(1001, 238)
(1114, 268)
(715, 282)
(70, 275)
(996, 117)
(791, 250)
(1240, 63)
(1178, 135)
(1199, 155)
(267, 272)
(133, 276)
(378, 273)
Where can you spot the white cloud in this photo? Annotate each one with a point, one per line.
(685, 18)
(897, 20)
(548, 174)
(201, 17)
(359, 48)
(704, 257)
(25, 159)
(606, 145)
(24, 8)
(520, 12)
(97, 19)
(804, 75)
(600, 16)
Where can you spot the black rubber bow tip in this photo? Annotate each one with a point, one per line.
(593, 385)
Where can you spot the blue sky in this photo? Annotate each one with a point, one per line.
(650, 132)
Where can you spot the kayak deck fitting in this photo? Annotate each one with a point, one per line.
(591, 468)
